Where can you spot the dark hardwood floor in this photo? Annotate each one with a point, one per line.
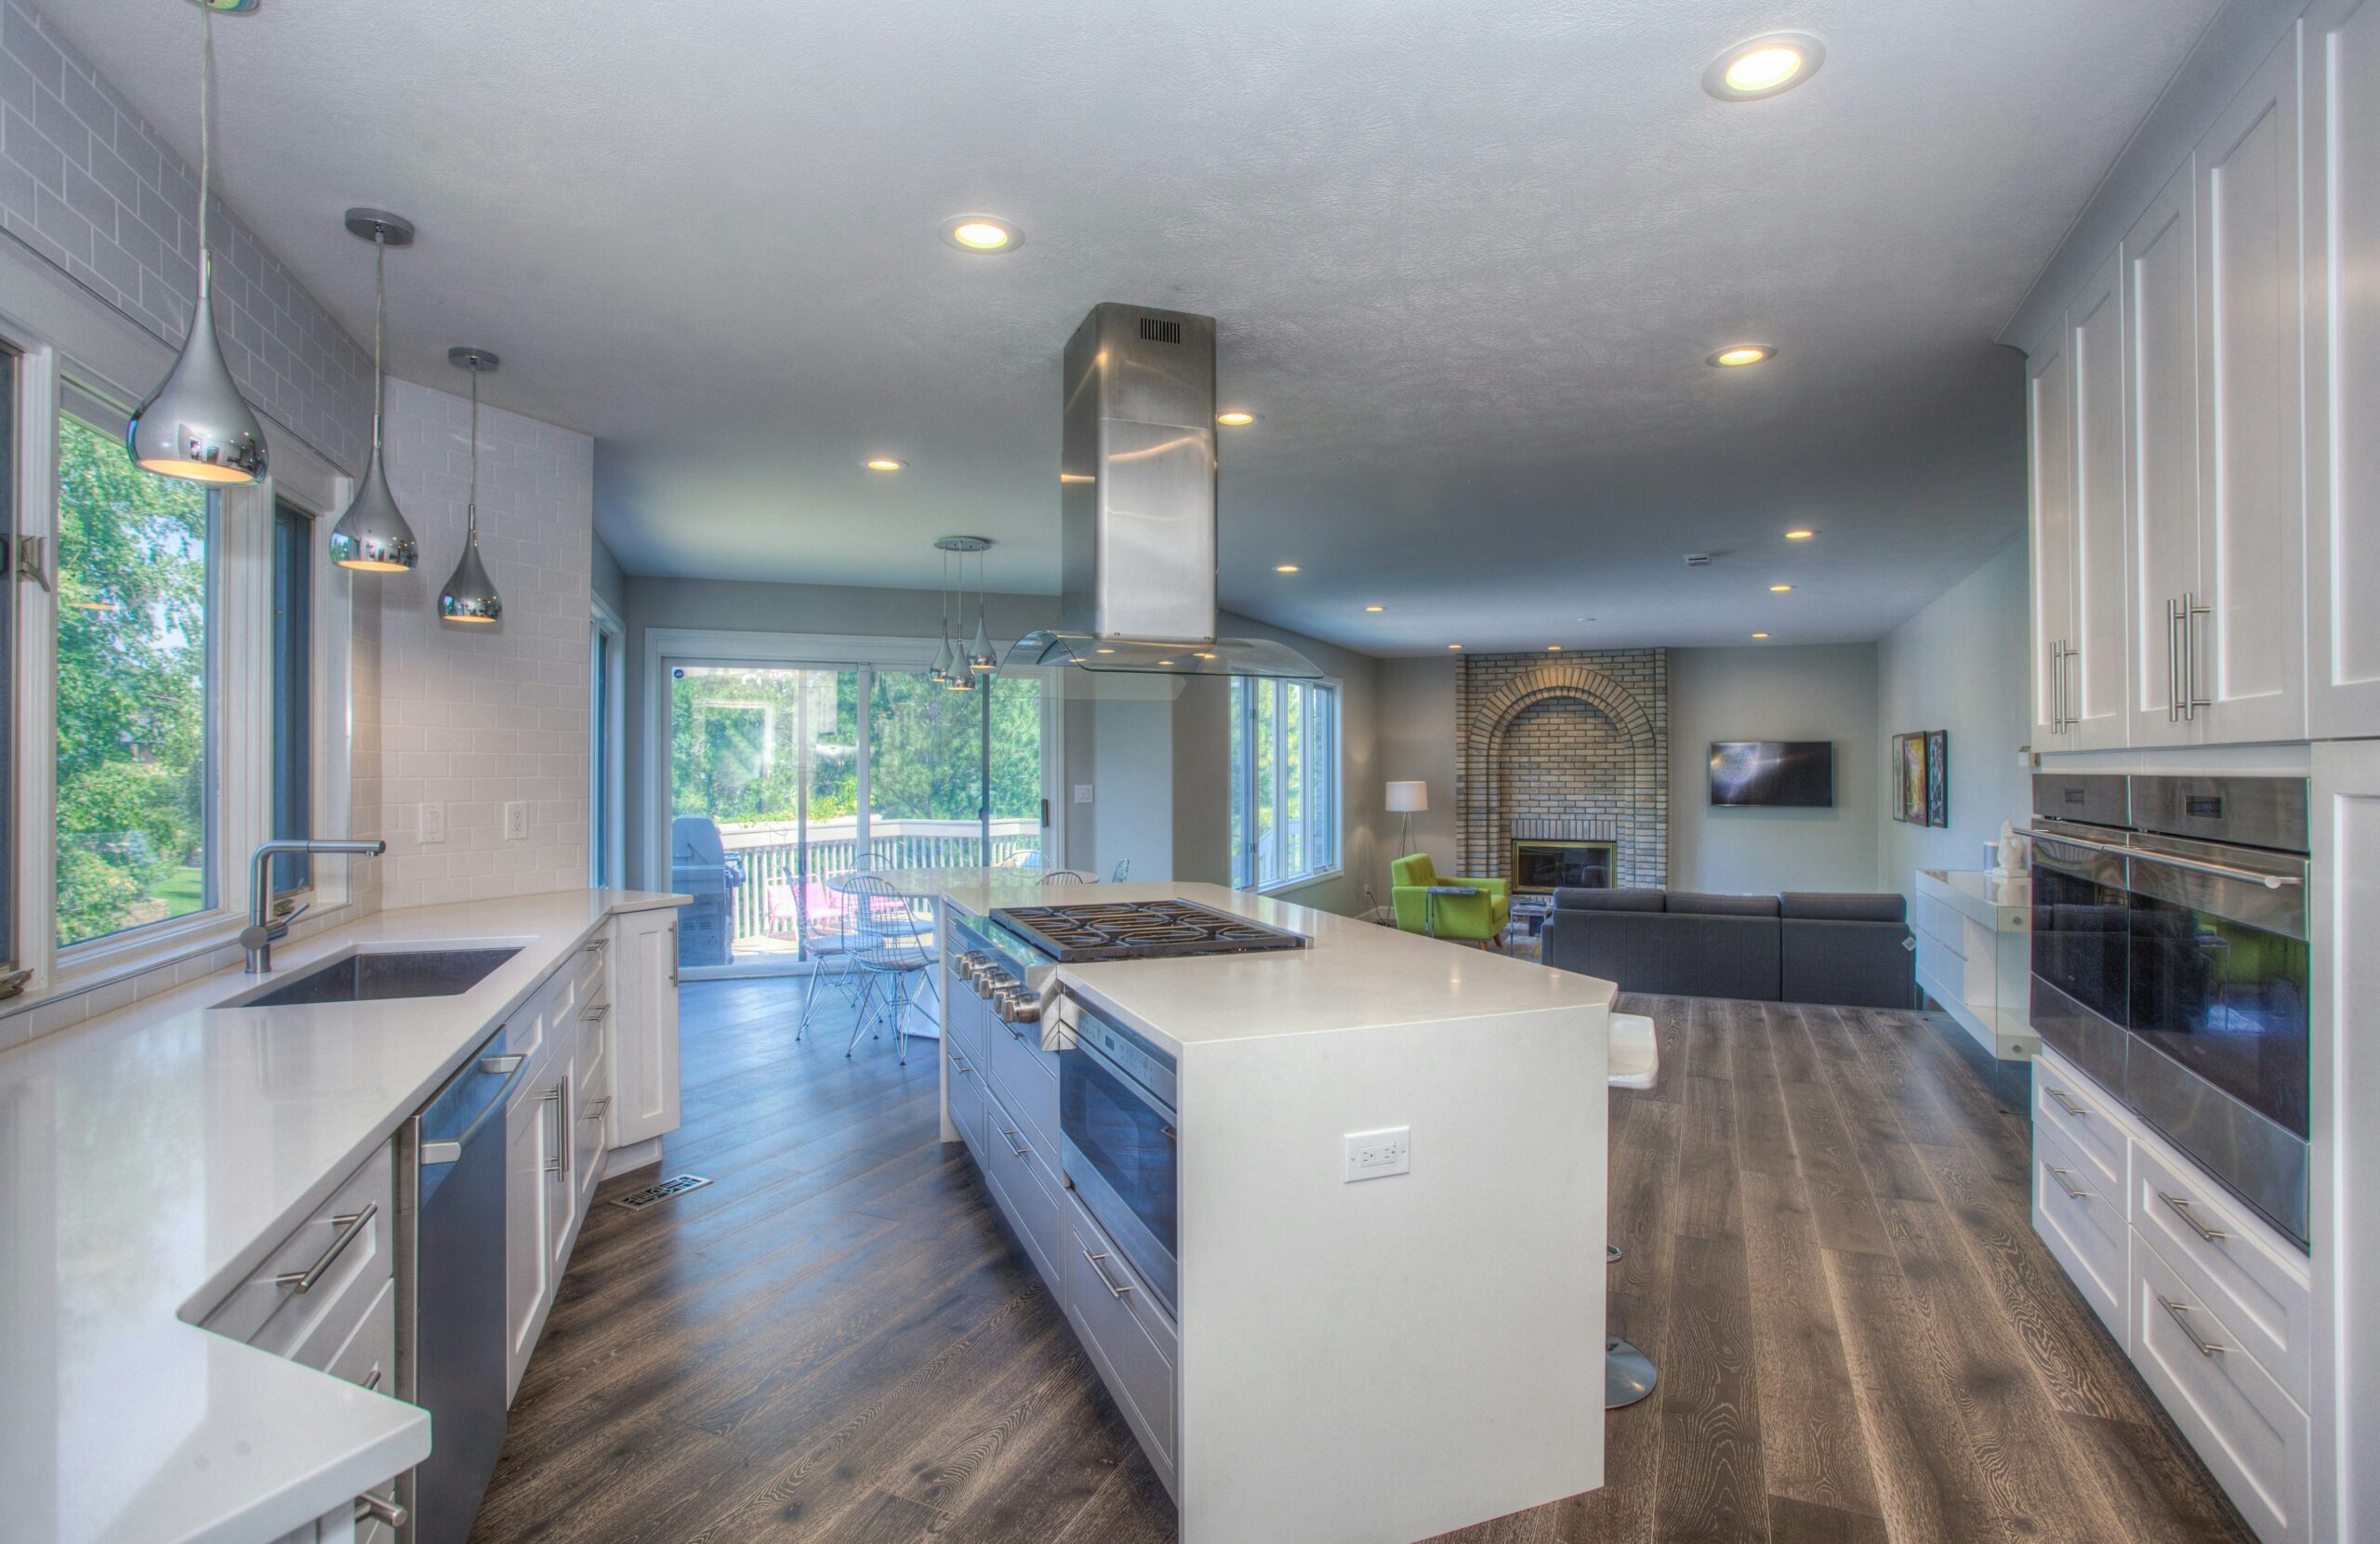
(1825, 1215)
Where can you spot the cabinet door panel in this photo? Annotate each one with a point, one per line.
(2049, 411)
(2342, 196)
(2160, 428)
(528, 1128)
(643, 1052)
(2102, 667)
(2248, 650)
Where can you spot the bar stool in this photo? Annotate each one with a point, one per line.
(1628, 1373)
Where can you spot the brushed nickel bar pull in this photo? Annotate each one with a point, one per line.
(2181, 1208)
(1016, 1144)
(2065, 1104)
(2058, 686)
(2191, 701)
(2172, 663)
(561, 1129)
(1100, 1273)
(2172, 860)
(595, 1111)
(2074, 693)
(373, 1381)
(369, 1508)
(597, 1011)
(959, 1063)
(347, 1226)
(2066, 1183)
(2176, 1310)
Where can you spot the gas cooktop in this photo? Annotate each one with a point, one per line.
(1139, 930)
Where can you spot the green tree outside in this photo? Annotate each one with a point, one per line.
(132, 563)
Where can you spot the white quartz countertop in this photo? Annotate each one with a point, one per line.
(1354, 975)
(149, 1159)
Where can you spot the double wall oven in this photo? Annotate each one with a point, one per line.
(2170, 964)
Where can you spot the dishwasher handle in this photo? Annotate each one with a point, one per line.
(435, 1153)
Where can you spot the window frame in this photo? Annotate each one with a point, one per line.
(1320, 782)
(607, 804)
(72, 350)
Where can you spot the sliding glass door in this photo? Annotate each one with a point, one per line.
(783, 778)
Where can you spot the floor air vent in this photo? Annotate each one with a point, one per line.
(653, 1196)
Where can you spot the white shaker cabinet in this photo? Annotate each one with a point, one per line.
(2099, 666)
(2342, 266)
(643, 1048)
(2246, 659)
(2049, 413)
(2160, 431)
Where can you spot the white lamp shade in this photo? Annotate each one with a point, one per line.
(1407, 799)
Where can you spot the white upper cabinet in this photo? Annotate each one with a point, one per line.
(2160, 431)
(2049, 412)
(2099, 669)
(2341, 188)
(2246, 641)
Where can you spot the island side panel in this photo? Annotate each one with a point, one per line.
(1396, 1357)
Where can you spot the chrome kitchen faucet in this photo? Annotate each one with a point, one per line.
(257, 937)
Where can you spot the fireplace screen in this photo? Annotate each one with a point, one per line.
(1540, 867)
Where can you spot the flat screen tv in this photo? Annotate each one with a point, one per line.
(1797, 775)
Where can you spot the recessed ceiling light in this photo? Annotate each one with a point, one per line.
(1165, 662)
(1763, 66)
(1454, 645)
(1779, 590)
(981, 234)
(1284, 568)
(1104, 650)
(1760, 635)
(1798, 535)
(1236, 418)
(1553, 648)
(1375, 608)
(1205, 656)
(1072, 478)
(1735, 356)
(883, 464)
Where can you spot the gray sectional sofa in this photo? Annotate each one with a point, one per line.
(1848, 950)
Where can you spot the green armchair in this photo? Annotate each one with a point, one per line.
(1480, 916)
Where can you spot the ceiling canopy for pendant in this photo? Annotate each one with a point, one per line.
(195, 426)
(373, 536)
(470, 595)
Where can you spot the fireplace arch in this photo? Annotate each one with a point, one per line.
(1514, 759)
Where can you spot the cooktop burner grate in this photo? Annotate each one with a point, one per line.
(1140, 930)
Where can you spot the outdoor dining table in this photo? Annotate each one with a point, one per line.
(927, 885)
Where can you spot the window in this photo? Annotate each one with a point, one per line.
(293, 692)
(1284, 781)
(135, 575)
(12, 980)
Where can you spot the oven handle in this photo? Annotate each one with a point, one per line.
(2200, 865)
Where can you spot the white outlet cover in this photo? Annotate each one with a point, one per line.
(433, 823)
(516, 821)
(1378, 1154)
(1082, 792)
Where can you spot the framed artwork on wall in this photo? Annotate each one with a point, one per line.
(1937, 777)
(1909, 778)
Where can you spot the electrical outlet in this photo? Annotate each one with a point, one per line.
(1378, 1154)
(1082, 792)
(516, 821)
(433, 823)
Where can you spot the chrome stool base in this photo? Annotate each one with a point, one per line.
(1628, 1374)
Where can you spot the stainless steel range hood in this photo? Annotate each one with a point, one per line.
(1137, 491)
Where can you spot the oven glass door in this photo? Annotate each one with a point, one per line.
(1128, 1143)
(2082, 929)
(2227, 1001)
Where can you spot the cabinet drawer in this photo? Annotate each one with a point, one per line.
(2083, 1119)
(265, 1312)
(2258, 1444)
(1025, 1078)
(2251, 1283)
(2086, 1231)
(539, 1023)
(1942, 922)
(966, 1096)
(969, 1019)
(594, 1067)
(1024, 1178)
(593, 957)
(368, 1356)
(1133, 1347)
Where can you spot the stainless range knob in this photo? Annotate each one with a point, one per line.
(1016, 1005)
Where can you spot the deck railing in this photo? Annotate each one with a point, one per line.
(772, 858)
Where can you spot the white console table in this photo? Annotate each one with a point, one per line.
(1974, 955)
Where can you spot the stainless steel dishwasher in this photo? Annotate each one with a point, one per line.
(450, 1288)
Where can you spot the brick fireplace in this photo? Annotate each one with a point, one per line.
(1565, 746)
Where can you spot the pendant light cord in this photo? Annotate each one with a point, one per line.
(205, 133)
(380, 325)
(471, 510)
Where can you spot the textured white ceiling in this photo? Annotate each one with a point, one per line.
(1467, 260)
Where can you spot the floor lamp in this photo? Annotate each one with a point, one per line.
(1407, 799)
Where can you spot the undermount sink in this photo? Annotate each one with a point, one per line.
(373, 976)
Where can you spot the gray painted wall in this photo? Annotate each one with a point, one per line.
(1959, 664)
(1416, 740)
(1820, 692)
(606, 579)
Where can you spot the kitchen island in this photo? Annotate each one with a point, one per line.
(1386, 1320)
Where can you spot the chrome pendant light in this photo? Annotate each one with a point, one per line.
(373, 536)
(196, 426)
(980, 659)
(959, 666)
(470, 595)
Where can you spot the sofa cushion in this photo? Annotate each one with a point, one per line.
(1696, 904)
(1578, 898)
(1809, 906)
